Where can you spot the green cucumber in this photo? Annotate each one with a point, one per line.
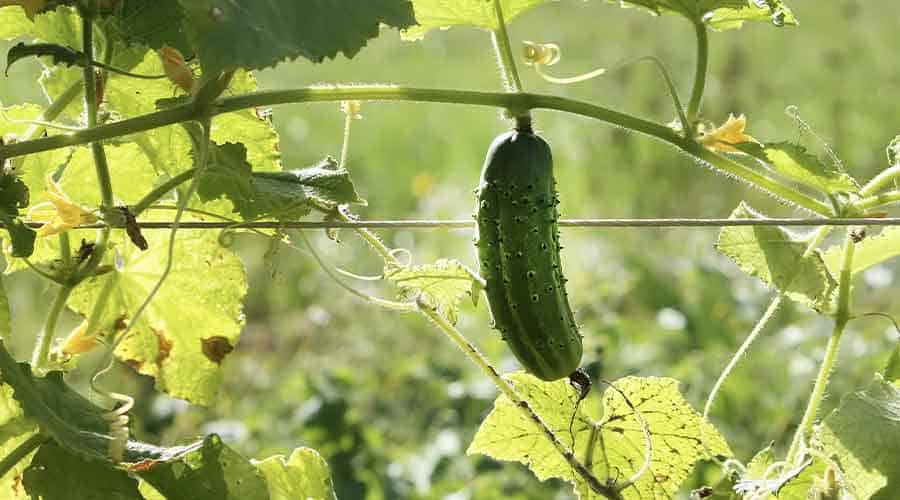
(518, 250)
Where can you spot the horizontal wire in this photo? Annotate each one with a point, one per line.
(465, 224)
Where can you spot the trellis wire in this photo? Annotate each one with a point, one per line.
(466, 224)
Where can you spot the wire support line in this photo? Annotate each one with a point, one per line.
(466, 224)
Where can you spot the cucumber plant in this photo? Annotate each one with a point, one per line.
(199, 144)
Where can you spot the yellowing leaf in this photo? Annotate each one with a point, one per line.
(727, 136)
(64, 215)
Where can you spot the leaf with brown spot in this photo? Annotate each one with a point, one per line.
(216, 348)
(164, 345)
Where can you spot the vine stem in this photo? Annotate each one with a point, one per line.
(503, 49)
(515, 101)
(805, 429)
(20, 452)
(885, 178)
(701, 71)
(878, 200)
(742, 350)
(45, 338)
(509, 391)
(101, 165)
(816, 240)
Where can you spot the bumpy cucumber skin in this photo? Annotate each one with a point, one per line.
(518, 250)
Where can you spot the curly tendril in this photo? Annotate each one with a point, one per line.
(548, 54)
(118, 425)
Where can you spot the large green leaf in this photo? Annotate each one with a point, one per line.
(863, 436)
(679, 435)
(721, 14)
(304, 475)
(776, 256)
(58, 473)
(249, 34)
(432, 14)
(154, 23)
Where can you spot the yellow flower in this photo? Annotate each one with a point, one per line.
(724, 138)
(176, 68)
(63, 215)
(79, 341)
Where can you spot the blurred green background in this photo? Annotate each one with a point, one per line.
(390, 403)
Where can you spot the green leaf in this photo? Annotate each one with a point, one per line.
(677, 433)
(863, 436)
(892, 369)
(869, 252)
(776, 256)
(192, 324)
(793, 162)
(254, 35)
(14, 196)
(761, 481)
(212, 472)
(15, 427)
(304, 475)
(721, 14)
(74, 422)
(57, 473)
(443, 284)
(154, 23)
(281, 195)
(432, 14)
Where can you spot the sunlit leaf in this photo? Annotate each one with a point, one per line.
(304, 475)
(680, 437)
(443, 284)
(793, 162)
(721, 14)
(200, 300)
(432, 14)
(863, 436)
(776, 256)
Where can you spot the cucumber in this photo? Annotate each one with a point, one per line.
(518, 251)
